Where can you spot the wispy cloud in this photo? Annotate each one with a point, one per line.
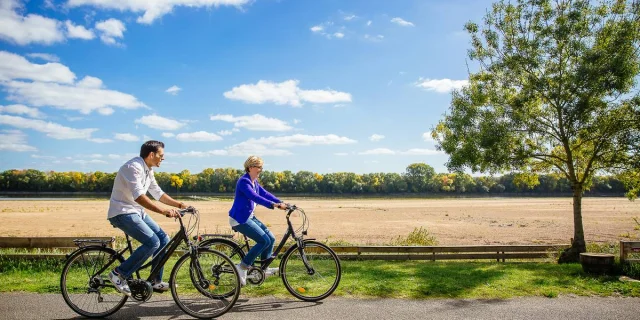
(441, 85)
(378, 151)
(24, 30)
(126, 137)
(385, 151)
(161, 123)
(198, 136)
(427, 137)
(154, 9)
(14, 140)
(376, 137)
(256, 122)
(44, 56)
(173, 90)
(402, 22)
(51, 129)
(286, 92)
(22, 109)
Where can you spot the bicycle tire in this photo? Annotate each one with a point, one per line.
(230, 248)
(213, 265)
(72, 288)
(325, 263)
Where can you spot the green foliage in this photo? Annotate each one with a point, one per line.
(417, 237)
(554, 93)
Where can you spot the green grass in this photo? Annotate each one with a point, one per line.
(413, 280)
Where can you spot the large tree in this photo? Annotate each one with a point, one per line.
(554, 91)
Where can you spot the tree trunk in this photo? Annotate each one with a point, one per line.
(578, 244)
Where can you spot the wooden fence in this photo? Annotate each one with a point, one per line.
(433, 253)
(629, 247)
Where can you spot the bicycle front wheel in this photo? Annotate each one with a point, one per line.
(205, 286)
(317, 278)
(85, 284)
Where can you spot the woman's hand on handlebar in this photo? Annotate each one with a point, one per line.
(281, 206)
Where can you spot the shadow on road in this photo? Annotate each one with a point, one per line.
(245, 305)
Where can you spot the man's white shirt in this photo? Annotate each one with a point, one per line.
(134, 179)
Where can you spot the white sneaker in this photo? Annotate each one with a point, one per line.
(242, 272)
(271, 272)
(161, 286)
(119, 283)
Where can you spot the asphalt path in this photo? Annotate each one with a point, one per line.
(52, 306)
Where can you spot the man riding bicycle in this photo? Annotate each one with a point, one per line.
(127, 212)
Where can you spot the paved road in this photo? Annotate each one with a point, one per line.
(51, 306)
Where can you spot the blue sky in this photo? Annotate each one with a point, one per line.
(323, 86)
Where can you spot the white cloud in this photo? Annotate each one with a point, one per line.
(441, 85)
(86, 162)
(377, 38)
(100, 140)
(427, 137)
(376, 137)
(402, 22)
(225, 132)
(198, 136)
(51, 129)
(14, 140)
(22, 109)
(154, 9)
(255, 122)
(44, 56)
(161, 123)
(110, 30)
(52, 84)
(410, 152)
(78, 32)
(339, 35)
(197, 154)
(369, 23)
(70, 97)
(317, 28)
(378, 151)
(168, 134)
(24, 30)
(13, 66)
(350, 17)
(341, 154)
(422, 152)
(173, 90)
(296, 121)
(286, 92)
(246, 148)
(37, 156)
(126, 137)
(301, 140)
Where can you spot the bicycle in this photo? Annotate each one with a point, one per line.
(310, 270)
(86, 287)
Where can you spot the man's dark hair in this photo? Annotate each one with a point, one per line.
(150, 146)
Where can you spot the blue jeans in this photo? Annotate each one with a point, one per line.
(258, 232)
(151, 237)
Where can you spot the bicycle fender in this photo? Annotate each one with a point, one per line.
(207, 243)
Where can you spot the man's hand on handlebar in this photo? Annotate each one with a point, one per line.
(171, 213)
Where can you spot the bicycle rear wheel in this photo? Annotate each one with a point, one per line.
(317, 283)
(206, 286)
(228, 247)
(86, 291)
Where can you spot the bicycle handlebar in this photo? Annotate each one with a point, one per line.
(191, 210)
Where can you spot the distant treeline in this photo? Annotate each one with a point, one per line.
(418, 178)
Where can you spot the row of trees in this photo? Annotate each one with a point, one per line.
(418, 178)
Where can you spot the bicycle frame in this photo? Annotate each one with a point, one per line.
(164, 254)
(264, 264)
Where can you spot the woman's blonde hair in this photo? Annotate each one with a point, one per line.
(252, 161)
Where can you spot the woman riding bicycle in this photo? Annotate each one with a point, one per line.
(242, 219)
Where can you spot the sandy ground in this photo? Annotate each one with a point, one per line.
(362, 221)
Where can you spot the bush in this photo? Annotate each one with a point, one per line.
(417, 237)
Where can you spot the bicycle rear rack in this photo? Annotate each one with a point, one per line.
(216, 235)
(81, 243)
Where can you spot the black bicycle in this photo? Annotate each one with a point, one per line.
(309, 269)
(200, 281)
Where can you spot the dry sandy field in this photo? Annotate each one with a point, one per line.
(362, 221)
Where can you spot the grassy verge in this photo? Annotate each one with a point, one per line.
(413, 280)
